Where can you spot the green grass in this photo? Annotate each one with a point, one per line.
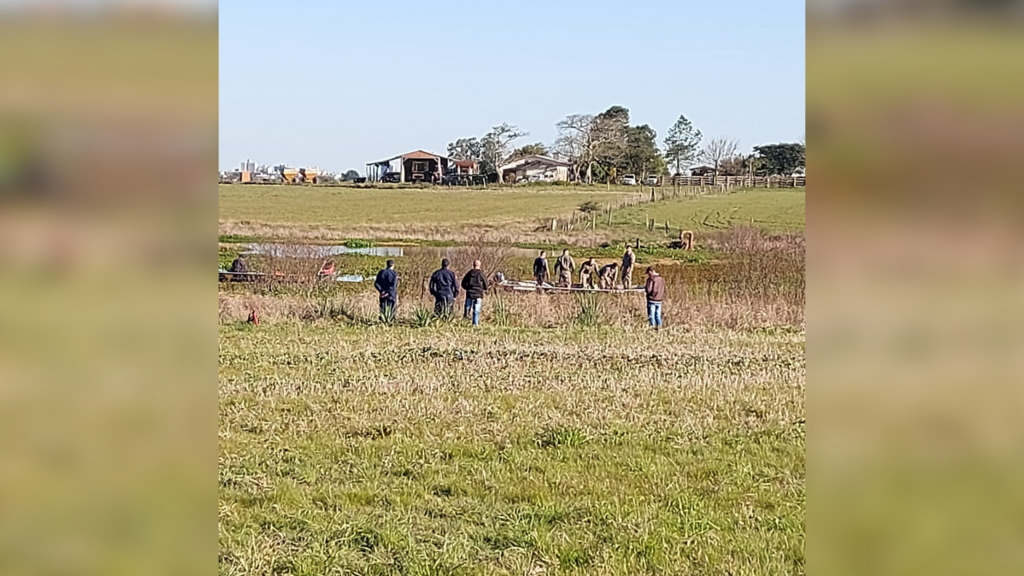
(779, 209)
(450, 450)
(496, 216)
(350, 206)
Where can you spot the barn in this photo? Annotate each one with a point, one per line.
(416, 166)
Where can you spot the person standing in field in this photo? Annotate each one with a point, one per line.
(564, 267)
(387, 287)
(475, 284)
(655, 289)
(444, 288)
(628, 260)
(606, 276)
(540, 269)
(587, 270)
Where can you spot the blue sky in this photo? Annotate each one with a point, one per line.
(339, 83)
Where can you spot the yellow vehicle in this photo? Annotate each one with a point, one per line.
(301, 175)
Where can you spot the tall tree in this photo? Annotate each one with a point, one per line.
(681, 144)
(535, 149)
(465, 149)
(496, 146)
(781, 158)
(611, 132)
(641, 154)
(718, 150)
(575, 141)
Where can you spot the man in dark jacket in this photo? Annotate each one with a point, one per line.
(387, 288)
(474, 283)
(655, 289)
(540, 269)
(444, 288)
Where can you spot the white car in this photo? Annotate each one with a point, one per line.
(629, 180)
(651, 181)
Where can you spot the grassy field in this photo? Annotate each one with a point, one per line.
(350, 206)
(520, 215)
(376, 450)
(781, 210)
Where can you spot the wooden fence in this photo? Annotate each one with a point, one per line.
(741, 181)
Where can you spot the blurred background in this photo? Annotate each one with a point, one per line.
(108, 139)
(916, 301)
(108, 133)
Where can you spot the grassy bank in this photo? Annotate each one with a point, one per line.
(445, 450)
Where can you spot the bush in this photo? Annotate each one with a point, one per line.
(358, 243)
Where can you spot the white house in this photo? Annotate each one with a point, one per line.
(535, 169)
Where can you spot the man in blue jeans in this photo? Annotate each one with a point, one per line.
(474, 284)
(655, 289)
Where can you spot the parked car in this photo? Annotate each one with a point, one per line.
(391, 178)
(652, 181)
(629, 179)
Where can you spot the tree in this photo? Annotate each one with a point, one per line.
(719, 150)
(641, 154)
(782, 158)
(350, 175)
(465, 149)
(495, 147)
(681, 144)
(575, 142)
(610, 134)
(536, 149)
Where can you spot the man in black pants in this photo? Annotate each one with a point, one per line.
(444, 288)
(387, 287)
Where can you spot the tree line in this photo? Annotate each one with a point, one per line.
(603, 147)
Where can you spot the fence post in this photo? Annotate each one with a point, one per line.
(554, 224)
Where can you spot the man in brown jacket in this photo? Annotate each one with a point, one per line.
(655, 289)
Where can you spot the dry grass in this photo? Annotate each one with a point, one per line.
(757, 282)
(392, 450)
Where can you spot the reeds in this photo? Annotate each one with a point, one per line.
(757, 280)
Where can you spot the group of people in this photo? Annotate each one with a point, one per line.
(445, 288)
(565, 267)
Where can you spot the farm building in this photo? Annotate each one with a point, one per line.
(465, 167)
(535, 169)
(417, 166)
(702, 171)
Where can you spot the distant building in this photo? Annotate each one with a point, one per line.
(535, 169)
(702, 171)
(416, 166)
(465, 167)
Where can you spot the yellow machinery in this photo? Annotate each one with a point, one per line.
(301, 175)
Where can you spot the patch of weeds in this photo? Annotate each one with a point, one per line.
(574, 558)
(590, 310)
(500, 315)
(358, 243)
(422, 317)
(561, 436)
(373, 432)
